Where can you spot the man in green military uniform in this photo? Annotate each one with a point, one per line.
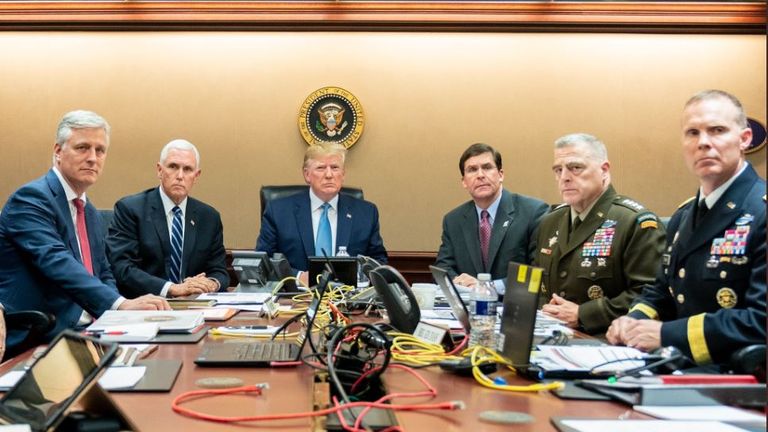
(597, 249)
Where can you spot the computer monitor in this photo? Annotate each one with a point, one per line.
(251, 267)
(344, 269)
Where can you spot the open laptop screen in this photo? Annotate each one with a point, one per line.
(344, 269)
(452, 295)
(68, 367)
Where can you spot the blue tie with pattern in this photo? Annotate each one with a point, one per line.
(324, 242)
(177, 243)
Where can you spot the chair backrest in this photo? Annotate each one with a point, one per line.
(106, 218)
(272, 192)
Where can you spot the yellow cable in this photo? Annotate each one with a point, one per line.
(480, 354)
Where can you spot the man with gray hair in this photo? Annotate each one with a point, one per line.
(598, 248)
(164, 242)
(52, 254)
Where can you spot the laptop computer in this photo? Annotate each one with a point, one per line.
(452, 296)
(262, 353)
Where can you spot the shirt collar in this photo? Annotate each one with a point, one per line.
(168, 203)
(315, 202)
(68, 191)
(492, 209)
(583, 215)
(717, 193)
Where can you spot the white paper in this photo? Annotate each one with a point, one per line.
(122, 377)
(234, 298)
(711, 412)
(16, 428)
(131, 332)
(648, 426)
(167, 321)
(575, 358)
(10, 379)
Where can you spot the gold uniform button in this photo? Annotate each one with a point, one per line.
(681, 273)
(563, 273)
(723, 274)
(680, 298)
(592, 274)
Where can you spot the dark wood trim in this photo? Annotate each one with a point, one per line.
(657, 17)
(414, 266)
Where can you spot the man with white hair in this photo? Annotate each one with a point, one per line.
(598, 248)
(164, 242)
(52, 255)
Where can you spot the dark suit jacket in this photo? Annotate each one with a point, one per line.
(286, 227)
(512, 236)
(41, 265)
(712, 300)
(139, 245)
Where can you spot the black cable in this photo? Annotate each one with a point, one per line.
(285, 325)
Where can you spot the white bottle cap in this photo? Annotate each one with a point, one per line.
(484, 277)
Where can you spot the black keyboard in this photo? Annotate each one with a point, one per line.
(265, 351)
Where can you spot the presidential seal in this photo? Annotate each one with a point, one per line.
(331, 115)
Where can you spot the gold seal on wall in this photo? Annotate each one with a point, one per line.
(331, 115)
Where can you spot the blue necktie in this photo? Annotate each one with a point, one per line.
(177, 242)
(324, 242)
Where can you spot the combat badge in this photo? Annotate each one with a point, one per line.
(586, 263)
(744, 219)
(726, 298)
(712, 262)
(331, 114)
(594, 292)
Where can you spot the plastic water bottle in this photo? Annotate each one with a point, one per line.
(342, 252)
(483, 301)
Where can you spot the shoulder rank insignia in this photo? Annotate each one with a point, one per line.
(628, 203)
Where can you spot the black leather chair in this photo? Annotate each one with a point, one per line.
(749, 360)
(269, 193)
(36, 324)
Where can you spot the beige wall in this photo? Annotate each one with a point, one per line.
(426, 97)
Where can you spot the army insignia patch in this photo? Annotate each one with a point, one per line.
(331, 115)
(594, 292)
(648, 220)
(600, 246)
(552, 240)
(726, 298)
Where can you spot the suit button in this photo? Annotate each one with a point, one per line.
(563, 273)
(723, 274)
(681, 273)
(680, 298)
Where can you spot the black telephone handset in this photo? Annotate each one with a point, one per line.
(280, 269)
(394, 291)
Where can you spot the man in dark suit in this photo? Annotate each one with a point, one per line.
(483, 235)
(597, 249)
(709, 296)
(145, 256)
(322, 220)
(51, 250)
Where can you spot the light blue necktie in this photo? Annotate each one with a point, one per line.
(324, 242)
(177, 243)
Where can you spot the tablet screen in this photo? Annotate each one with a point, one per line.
(55, 380)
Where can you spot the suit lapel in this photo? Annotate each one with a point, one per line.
(303, 215)
(190, 236)
(60, 199)
(343, 222)
(505, 215)
(159, 220)
(472, 237)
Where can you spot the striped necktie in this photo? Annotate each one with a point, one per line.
(177, 246)
(485, 236)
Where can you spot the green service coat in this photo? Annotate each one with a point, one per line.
(604, 263)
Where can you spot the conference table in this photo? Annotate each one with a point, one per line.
(291, 390)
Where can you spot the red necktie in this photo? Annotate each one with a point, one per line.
(82, 234)
(485, 235)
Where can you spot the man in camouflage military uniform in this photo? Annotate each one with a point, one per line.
(597, 249)
(708, 299)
